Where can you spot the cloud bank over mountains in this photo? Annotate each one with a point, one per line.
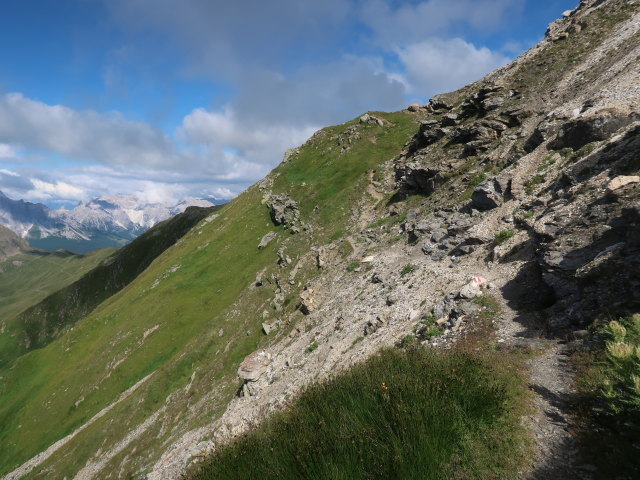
(277, 71)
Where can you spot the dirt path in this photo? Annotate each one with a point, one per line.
(551, 381)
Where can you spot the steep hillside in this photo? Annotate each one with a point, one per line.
(48, 319)
(28, 275)
(389, 229)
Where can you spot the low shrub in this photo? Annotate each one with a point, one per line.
(609, 384)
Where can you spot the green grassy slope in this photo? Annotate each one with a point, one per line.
(40, 323)
(194, 309)
(29, 277)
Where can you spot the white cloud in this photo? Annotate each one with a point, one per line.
(438, 66)
(82, 135)
(223, 131)
(404, 23)
(59, 189)
(7, 152)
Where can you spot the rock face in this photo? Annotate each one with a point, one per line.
(622, 181)
(592, 128)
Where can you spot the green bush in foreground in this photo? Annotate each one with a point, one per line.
(610, 387)
(407, 414)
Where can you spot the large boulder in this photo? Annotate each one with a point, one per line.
(284, 211)
(254, 366)
(266, 239)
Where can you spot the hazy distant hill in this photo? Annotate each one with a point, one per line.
(110, 221)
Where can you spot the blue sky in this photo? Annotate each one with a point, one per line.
(168, 99)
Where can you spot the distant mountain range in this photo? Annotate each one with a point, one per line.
(102, 222)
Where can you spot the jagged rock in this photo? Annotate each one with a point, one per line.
(593, 127)
(622, 181)
(482, 101)
(266, 239)
(254, 366)
(289, 154)
(491, 193)
(444, 307)
(427, 249)
(534, 141)
(372, 326)
(284, 211)
(259, 277)
(283, 258)
(513, 118)
(492, 103)
(439, 103)
(449, 120)
(321, 258)
(371, 120)
(438, 236)
(428, 134)
(458, 228)
(276, 303)
(307, 303)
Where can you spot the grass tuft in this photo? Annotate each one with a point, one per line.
(407, 269)
(502, 236)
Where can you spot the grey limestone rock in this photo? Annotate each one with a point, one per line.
(266, 239)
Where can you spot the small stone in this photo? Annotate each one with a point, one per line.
(438, 236)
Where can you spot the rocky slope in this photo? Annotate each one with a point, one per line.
(102, 222)
(523, 185)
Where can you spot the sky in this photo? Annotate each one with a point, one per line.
(168, 99)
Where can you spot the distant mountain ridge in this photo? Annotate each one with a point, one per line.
(109, 221)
